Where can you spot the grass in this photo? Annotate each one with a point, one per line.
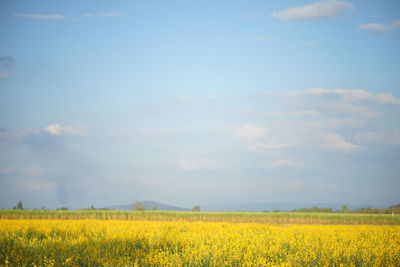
(237, 217)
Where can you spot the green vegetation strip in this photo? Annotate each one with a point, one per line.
(240, 217)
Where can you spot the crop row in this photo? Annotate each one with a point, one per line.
(238, 217)
(182, 243)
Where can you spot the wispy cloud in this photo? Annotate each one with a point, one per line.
(41, 16)
(103, 14)
(4, 74)
(351, 101)
(379, 27)
(260, 146)
(263, 38)
(247, 131)
(320, 9)
(356, 95)
(57, 129)
(109, 14)
(337, 142)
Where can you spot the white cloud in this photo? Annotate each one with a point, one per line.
(379, 27)
(41, 16)
(350, 101)
(320, 9)
(337, 142)
(374, 27)
(259, 146)
(356, 95)
(4, 74)
(350, 108)
(288, 163)
(56, 129)
(248, 131)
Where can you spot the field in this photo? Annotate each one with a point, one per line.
(238, 217)
(166, 239)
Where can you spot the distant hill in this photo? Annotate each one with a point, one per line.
(150, 205)
(261, 206)
(254, 206)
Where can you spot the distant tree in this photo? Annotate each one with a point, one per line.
(19, 206)
(344, 208)
(92, 207)
(137, 205)
(62, 208)
(314, 209)
(154, 207)
(196, 208)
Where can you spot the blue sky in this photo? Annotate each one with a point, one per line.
(194, 102)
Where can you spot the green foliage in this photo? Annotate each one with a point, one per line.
(196, 208)
(19, 206)
(137, 205)
(313, 209)
(259, 217)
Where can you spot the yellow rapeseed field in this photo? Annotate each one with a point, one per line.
(182, 243)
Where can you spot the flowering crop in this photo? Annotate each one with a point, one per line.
(182, 243)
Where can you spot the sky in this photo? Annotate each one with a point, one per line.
(192, 102)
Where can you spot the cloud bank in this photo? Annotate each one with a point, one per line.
(379, 27)
(320, 9)
(41, 16)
